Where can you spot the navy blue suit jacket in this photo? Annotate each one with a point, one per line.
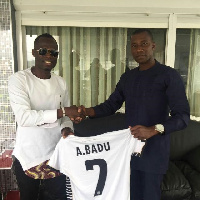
(153, 96)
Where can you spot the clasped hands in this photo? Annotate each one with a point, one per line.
(76, 113)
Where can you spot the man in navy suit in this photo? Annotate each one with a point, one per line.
(155, 106)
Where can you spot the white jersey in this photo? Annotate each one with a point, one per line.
(98, 166)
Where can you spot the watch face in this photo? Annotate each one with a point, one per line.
(160, 128)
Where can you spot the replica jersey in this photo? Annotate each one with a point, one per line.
(98, 166)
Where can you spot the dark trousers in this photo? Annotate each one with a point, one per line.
(145, 186)
(36, 189)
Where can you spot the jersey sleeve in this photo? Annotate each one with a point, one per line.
(58, 160)
(139, 145)
(136, 145)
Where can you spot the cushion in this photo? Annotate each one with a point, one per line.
(96, 126)
(192, 176)
(184, 140)
(175, 186)
(193, 158)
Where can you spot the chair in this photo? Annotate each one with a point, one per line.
(12, 195)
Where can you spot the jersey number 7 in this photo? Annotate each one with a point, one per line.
(102, 175)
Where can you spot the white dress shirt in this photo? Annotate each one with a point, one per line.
(35, 102)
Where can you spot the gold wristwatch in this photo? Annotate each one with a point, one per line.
(160, 128)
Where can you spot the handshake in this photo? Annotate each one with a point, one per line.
(78, 113)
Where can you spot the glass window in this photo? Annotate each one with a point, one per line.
(187, 62)
(182, 52)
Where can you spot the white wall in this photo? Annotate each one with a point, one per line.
(160, 6)
(121, 13)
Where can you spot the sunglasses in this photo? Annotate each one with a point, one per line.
(44, 51)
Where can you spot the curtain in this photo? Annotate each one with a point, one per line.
(91, 60)
(193, 82)
(160, 56)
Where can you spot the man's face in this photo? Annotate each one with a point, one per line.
(45, 62)
(142, 48)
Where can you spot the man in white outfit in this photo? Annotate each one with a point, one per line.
(40, 102)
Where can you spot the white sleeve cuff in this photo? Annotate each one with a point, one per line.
(50, 116)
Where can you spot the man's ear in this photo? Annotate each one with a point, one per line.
(154, 46)
(33, 52)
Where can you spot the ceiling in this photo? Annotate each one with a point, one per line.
(110, 6)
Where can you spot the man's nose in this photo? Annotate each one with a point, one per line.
(48, 53)
(140, 48)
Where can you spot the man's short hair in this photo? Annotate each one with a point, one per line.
(44, 35)
(141, 30)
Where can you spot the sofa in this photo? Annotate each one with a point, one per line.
(182, 180)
